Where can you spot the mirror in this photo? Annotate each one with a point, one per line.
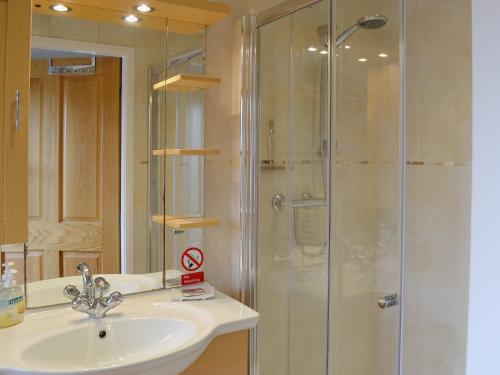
(94, 184)
(176, 120)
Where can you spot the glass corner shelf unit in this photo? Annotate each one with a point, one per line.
(177, 151)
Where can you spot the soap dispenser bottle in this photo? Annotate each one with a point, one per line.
(12, 304)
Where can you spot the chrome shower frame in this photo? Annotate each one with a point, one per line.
(249, 175)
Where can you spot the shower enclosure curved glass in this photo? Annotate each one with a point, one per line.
(322, 186)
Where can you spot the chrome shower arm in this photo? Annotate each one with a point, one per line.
(346, 34)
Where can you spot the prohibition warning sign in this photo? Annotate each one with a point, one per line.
(192, 259)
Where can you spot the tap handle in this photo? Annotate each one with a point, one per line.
(80, 304)
(102, 286)
(71, 292)
(114, 299)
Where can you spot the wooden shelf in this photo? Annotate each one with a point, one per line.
(178, 222)
(186, 152)
(187, 83)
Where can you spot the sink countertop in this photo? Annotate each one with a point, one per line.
(29, 351)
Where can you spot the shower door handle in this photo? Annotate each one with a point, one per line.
(388, 301)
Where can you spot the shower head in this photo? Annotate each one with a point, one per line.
(372, 22)
(367, 23)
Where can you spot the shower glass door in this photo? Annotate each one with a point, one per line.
(326, 247)
(367, 175)
(293, 210)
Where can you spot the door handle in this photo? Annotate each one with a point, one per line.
(388, 301)
(18, 110)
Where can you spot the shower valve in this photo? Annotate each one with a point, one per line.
(278, 202)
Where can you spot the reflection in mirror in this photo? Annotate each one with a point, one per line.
(92, 181)
(179, 179)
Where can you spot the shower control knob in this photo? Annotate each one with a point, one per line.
(278, 202)
(388, 301)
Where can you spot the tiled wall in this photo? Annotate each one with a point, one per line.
(222, 131)
(439, 186)
(438, 177)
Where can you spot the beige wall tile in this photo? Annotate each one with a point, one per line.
(438, 211)
(439, 205)
(69, 28)
(439, 80)
(436, 269)
(40, 25)
(222, 173)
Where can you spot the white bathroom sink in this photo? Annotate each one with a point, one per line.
(147, 334)
(103, 345)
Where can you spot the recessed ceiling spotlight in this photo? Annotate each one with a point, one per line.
(362, 59)
(131, 18)
(383, 55)
(312, 49)
(347, 47)
(324, 52)
(60, 8)
(144, 8)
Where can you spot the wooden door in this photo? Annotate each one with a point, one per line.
(74, 170)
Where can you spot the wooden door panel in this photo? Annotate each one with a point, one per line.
(75, 169)
(81, 148)
(34, 263)
(51, 147)
(69, 260)
(35, 149)
(65, 236)
(15, 255)
(111, 67)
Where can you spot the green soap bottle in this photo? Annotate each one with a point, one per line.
(12, 304)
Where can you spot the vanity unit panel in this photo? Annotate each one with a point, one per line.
(15, 40)
(226, 355)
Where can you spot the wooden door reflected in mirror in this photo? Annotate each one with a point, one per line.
(74, 170)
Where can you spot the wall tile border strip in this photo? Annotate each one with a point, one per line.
(440, 163)
(281, 164)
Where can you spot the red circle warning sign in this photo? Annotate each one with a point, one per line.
(192, 259)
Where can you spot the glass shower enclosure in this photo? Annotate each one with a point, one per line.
(323, 171)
